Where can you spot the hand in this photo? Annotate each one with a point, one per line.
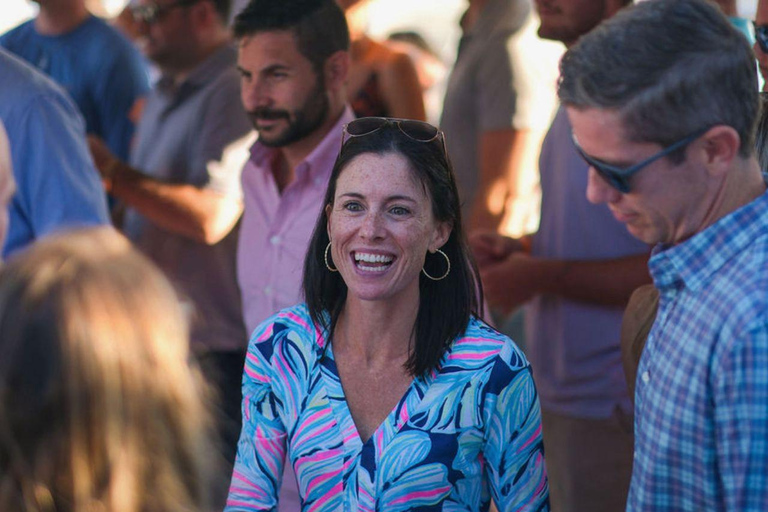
(489, 247)
(106, 162)
(510, 283)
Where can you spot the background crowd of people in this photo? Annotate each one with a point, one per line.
(252, 262)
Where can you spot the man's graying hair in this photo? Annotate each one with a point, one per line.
(669, 67)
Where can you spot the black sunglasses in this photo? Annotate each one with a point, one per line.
(618, 177)
(150, 13)
(761, 36)
(419, 131)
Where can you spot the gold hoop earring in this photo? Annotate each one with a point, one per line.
(447, 271)
(327, 264)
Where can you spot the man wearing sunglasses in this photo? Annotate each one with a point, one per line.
(180, 187)
(668, 130)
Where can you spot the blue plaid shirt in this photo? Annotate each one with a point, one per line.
(701, 402)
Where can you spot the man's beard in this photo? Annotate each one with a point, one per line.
(303, 123)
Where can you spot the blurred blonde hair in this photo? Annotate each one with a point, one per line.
(99, 408)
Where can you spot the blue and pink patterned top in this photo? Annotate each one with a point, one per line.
(461, 435)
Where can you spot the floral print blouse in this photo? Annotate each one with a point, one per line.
(461, 435)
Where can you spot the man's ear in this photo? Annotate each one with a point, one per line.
(336, 68)
(719, 148)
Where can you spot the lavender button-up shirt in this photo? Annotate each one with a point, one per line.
(274, 236)
(275, 230)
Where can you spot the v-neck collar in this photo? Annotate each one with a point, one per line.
(393, 422)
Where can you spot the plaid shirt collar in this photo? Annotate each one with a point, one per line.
(691, 263)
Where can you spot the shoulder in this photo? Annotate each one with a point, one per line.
(106, 34)
(18, 34)
(490, 363)
(483, 346)
(738, 295)
(104, 42)
(30, 89)
(223, 89)
(394, 61)
(283, 351)
(291, 326)
(742, 283)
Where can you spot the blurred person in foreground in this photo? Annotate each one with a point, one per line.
(99, 409)
(663, 102)
(385, 390)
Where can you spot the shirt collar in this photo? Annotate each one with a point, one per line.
(316, 163)
(692, 262)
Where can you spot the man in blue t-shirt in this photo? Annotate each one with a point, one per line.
(100, 69)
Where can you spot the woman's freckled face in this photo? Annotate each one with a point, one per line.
(381, 225)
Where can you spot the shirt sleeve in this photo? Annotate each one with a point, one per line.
(219, 155)
(513, 450)
(118, 91)
(496, 95)
(741, 420)
(257, 475)
(57, 184)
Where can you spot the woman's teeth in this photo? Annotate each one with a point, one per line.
(372, 262)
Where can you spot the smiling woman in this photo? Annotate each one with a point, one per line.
(385, 389)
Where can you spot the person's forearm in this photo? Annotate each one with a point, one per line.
(604, 282)
(495, 163)
(201, 215)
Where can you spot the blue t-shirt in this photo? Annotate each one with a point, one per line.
(100, 69)
(56, 184)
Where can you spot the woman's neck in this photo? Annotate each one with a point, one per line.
(377, 332)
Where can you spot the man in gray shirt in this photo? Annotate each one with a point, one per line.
(181, 190)
(490, 115)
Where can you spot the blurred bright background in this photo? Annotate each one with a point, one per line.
(436, 20)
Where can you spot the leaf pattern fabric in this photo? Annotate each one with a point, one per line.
(466, 433)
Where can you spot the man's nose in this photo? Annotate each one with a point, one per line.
(254, 95)
(598, 190)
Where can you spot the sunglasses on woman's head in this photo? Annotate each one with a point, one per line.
(419, 131)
